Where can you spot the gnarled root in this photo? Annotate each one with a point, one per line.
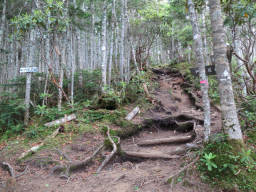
(108, 158)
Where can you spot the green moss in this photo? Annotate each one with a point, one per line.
(235, 166)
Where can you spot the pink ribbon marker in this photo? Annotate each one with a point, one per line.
(204, 82)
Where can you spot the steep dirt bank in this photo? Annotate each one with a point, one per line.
(170, 129)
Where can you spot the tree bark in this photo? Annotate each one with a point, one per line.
(230, 121)
(30, 62)
(104, 47)
(199, 50)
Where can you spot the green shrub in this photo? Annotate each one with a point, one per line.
(247, 114)
(223, 166)
(11, 114)
(91, 85)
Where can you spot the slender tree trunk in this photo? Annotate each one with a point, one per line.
(201, 65)
(2, 25)
(122, 40)
(73, 68)
(32, 37)
(111, 41)
(238, 50)
(47, 58)
(104, 47)
(61, 72)
(230, 121)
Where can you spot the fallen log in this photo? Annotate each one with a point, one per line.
(132, 114)
(169, 140)
(34, 149)
(156, 155)
(111, 154)
(61, 121)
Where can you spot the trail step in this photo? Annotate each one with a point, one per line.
(155, 155)
(169, 140)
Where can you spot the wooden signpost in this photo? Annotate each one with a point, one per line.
(28, 71)
(209, 70)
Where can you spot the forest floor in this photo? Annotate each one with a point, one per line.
(172, 108)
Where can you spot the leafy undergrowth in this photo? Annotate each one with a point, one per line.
(222, 166)
(90, 119)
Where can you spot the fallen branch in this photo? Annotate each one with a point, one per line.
(169, 140)
(61, 121)
(110, 155)
(170, 178)
(37, 147)
(132, 114)
(157, 155)
(147, 93)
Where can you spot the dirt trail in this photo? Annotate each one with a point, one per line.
(136, 173)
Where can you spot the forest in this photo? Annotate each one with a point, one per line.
(127, 95)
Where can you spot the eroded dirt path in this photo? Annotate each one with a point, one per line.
(173, 109)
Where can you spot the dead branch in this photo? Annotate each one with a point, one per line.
(147, 93)
(104, 163)
(170, 178)
(132, 114)
(156, 155)
(61, 121)
(169, 140)
(9, 168)
(37, 147)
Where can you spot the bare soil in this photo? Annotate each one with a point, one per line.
(125, 174)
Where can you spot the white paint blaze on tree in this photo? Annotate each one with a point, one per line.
(199, 50)
(230, 121)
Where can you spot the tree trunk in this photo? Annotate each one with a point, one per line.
(230, 121)
(241, 66)
(122, 40)
(113, 24)
(30, 62)
(2, 26)
(201, 65)
(104, 47)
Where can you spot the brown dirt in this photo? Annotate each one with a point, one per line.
(126, 174)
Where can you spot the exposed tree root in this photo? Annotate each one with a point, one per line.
(156, 155)
(104, 163)
(170, 140)
(184, 126)
(9, 168)
(61, 153)
(72, 166)
(181, 123)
